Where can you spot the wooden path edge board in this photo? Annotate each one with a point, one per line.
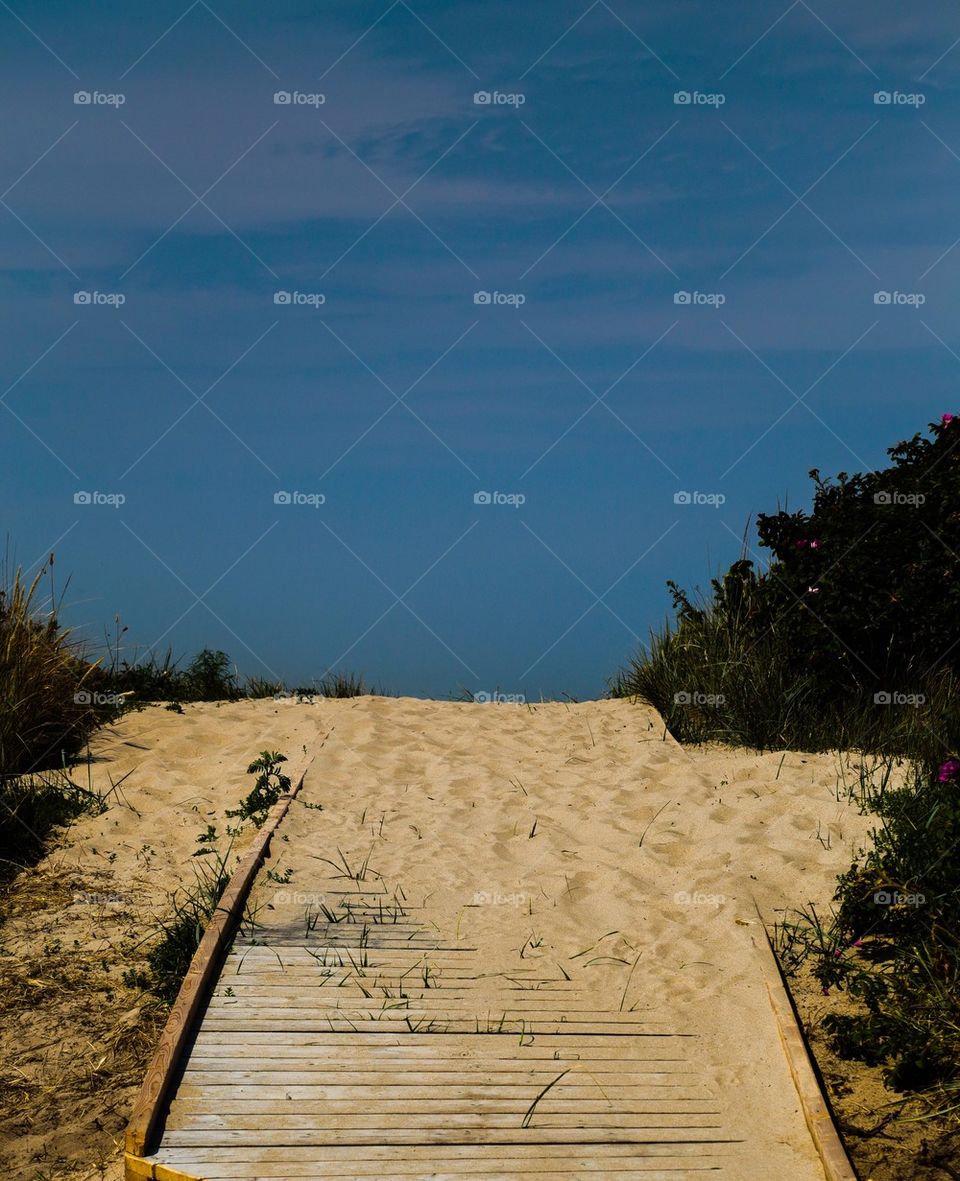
(837, 1165)
(201, 975)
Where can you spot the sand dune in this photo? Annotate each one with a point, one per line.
(535, 832)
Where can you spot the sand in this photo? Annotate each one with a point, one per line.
(536, 831)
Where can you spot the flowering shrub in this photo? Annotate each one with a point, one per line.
(898, 925)
(881, 551)
(850, 639)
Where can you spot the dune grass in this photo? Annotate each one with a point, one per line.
(46, 709)
(715, 676)
(210, 676)
(53, 698)
(344, 684)
(155, 677)
(849, 639)
(47, 713)
(176, 938)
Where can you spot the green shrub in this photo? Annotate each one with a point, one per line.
(850, 639)
(873, 568)
(856, 611)
(210, 678)
(270, 785)
(207, 678)
(893, 941)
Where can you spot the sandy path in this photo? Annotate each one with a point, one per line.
(74, 1038)
(517, 831)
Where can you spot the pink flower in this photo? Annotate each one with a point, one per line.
(948, 770)
(946, 419)
(815, 544)
(800, 543)
(825, 991)
(813, 590)
(858, 943)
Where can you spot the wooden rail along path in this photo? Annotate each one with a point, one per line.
(365, 1037)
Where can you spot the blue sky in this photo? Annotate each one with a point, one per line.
(583, 197)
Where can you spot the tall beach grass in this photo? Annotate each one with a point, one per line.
(47, 713)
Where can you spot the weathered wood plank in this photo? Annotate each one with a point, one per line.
(556, 1048)
(400, 1063)
(342, 998)
(307, 1137)
(298, 1088)
(817, 1114)
(342, 975)
(255, 1122)
(345, 1024)
(677, 1170)
(487, 1100)
(202, 972)
(633, 1165)
(666, 1172)
(452, 1162)
(454, 1153)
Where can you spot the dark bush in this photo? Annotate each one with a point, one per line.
(850, 639)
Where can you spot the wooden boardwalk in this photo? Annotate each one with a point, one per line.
(376, 1048)
(360, 1029)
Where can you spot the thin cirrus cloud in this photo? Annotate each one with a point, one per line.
(597, 198)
